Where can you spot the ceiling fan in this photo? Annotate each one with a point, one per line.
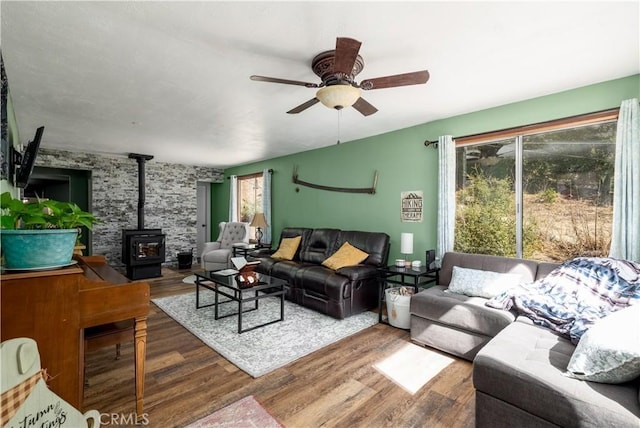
(337, 70)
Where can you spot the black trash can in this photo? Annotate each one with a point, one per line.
(185, 259)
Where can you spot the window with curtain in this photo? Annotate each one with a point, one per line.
(250, 190)
(543, 193)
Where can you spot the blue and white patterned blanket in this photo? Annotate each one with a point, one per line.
(575, 295)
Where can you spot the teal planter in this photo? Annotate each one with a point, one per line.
(37, 249)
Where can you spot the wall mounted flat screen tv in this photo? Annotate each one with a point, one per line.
(24, 163)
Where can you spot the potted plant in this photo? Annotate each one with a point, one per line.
(40, 234)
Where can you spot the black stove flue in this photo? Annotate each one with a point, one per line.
(143, 250)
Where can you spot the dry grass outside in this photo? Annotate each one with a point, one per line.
(569, 228)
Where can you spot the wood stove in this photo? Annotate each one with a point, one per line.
(143, 250)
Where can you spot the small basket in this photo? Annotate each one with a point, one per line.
(247, 277)
(398, 305)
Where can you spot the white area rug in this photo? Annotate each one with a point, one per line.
(412, 366)
(265, 349)
(191, 279)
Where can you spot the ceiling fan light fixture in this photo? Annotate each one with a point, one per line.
(338, 96)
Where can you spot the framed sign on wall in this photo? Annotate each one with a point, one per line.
(411, 206)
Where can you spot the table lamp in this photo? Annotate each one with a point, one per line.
(259, 222)
(406, 246)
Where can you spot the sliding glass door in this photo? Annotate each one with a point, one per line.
(567, 187)
(546, 196)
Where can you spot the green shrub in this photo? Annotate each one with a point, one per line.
(485, 218)
(548, 196)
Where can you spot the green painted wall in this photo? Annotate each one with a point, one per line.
(403, 164)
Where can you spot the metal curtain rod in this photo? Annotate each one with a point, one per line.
(549, 125)
(270, 172)
(428, 143)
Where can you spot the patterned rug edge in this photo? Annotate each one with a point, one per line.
(228, 354)
(223, 352)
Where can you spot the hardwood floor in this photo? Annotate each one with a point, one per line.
(336, 386)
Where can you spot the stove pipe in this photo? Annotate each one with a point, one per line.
(141, 159)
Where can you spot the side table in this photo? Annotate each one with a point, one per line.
(244, 251)
(408, 277)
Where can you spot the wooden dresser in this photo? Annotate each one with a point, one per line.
(54, 307)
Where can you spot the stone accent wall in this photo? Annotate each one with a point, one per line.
(170, 200)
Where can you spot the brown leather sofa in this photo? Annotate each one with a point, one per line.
(338, 293)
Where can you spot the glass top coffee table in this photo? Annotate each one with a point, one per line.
(227, 286)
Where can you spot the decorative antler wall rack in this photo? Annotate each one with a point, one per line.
(370, 190)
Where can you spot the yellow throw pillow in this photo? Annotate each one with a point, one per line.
(287, 248)
(347, 255)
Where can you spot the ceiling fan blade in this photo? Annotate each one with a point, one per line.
(364, 107)
(415, 78)
(304, 106)
(283, 81)
(346, 55)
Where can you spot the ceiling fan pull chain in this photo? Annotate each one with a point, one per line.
(339, 117)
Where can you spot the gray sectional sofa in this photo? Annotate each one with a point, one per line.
(519, 382)
(518, 367)
(459, 324)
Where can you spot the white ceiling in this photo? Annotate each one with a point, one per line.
(171, 79)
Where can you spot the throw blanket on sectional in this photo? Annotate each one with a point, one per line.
(575, 295)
